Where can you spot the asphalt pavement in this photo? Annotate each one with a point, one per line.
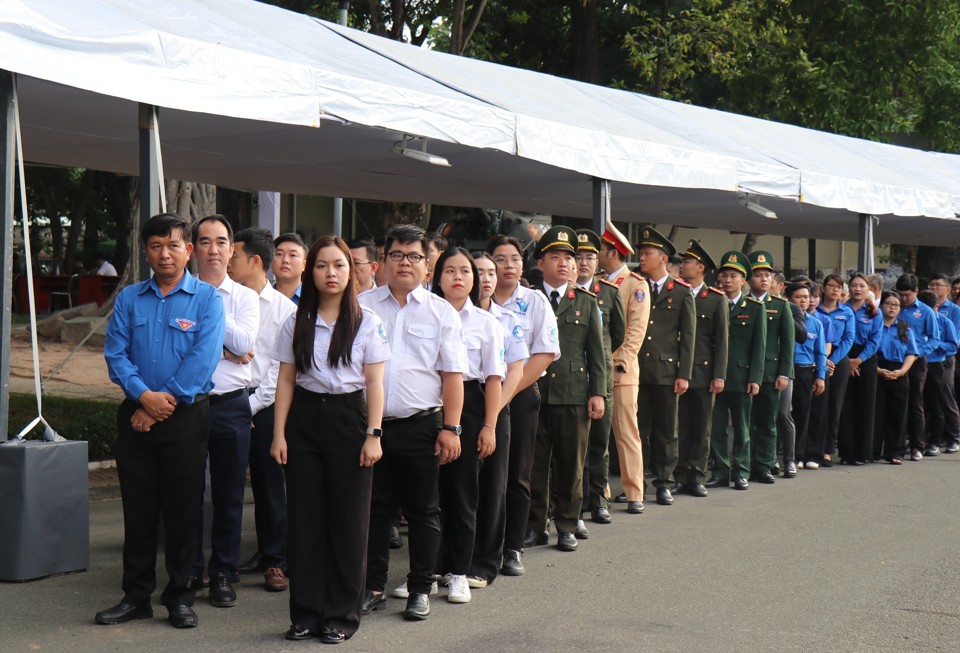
(841, 559)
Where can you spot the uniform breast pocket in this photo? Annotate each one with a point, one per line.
(574, 328)
(424, 341)
(182, 335)
(704, 318)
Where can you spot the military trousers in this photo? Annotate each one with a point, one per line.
(596, 471)
(562, 434)
(657, 416)
(732, 460)
(693, 434)
(763, 429)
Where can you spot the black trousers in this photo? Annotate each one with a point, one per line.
(269, 495)
(524, 416)
(825, 412)
(596, 471)
(916, 416)
(693, 425)
(491, 508)
(228, 453)
(328, 508)
(786, 428)
(891, 414)
(940, 404)
(406, 478)
(161, 476)
(859, 410)
(459, 485)
(803, 378)
(562, 435)
(657, 417)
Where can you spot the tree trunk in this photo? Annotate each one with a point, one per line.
(662, 52)
(190, 200)
(397, 213)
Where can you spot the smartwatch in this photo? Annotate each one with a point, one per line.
(377, 433)
(456, 430)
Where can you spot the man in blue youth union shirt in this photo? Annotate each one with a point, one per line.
(163, 343)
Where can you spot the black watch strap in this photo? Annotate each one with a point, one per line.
(457, 429)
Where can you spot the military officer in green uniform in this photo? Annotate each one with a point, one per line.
(571, 393)
(709, 372)
(777, 369)
(745, 357)
(613, 317)
(666, 359)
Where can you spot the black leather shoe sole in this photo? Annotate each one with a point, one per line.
(372, 602)
(418, 607)
(635, 507)
(697, 490)
(333, 637)
(567, 542)
(741, 484)
(120, 615)
(717, 482)
(297, 633)
(600, 516)
(182, 616)
(621, 498)
(535, 538)
(664, 498)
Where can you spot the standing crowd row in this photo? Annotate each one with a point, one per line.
(432, 384)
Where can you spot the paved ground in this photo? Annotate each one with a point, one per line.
(841, 559)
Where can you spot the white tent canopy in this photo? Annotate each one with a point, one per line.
(259, 98)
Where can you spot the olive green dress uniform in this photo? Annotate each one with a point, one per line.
(667, 355)
(745, 364)
(709, 363)
(779, 362)
(564, 427)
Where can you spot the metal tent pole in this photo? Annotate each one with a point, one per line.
(7, 170)
(601, 204)
(149, 187)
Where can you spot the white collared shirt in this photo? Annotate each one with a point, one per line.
(616, 273)
(735, 301)
(514, 343)
(241, 309)
(484, 339)
(275, 310)
(657, 286)
(696, 291)
(532, 309)
(369, 346)
(426, 337)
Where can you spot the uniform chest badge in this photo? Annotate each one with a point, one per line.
(185, 324)
(577, 313)
(522, 305)
(917, 314)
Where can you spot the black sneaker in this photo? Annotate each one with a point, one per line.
(511, 563)
(222, 594)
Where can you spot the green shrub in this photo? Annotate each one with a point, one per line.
(74, 419)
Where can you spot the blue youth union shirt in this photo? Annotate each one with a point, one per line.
(166, 343)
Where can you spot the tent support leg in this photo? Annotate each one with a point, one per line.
(8, 137)
(865, 244)
(149, 187)
(601, 204)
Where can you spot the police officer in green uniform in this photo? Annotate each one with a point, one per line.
(571, 393)
(777, 369)
(709, 372)
(596, 471)
(666, 359)
(745, 358)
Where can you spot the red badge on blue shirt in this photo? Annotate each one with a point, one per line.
(184, 323)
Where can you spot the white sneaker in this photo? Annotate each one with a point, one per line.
(476, 582)
(403, 593)
(458, 591)
(812, 466)
(800, 466)
(917, 455)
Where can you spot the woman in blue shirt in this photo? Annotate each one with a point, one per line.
(825, 412)
(895, 355)
(856, 434)
(809, 371)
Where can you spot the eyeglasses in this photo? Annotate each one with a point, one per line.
(891, 304)
(833, 286)
(938, 284)
(503, 260)
(413, 257)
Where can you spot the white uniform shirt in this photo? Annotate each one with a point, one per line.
(241, 309)
(275, 310)
(106, 269)
(532, 309)
(369, 346)
(484, 339)
(514, 343)
(426, 337)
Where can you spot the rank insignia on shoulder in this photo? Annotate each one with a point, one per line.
(683, 283)
(608, 282)
(754, 300)
(717, 290)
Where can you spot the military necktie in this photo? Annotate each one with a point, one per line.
(656, 291)
(555, 300)
(733, 305)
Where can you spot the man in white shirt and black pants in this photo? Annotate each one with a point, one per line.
(423, 387)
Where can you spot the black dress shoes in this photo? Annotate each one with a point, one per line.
(600, 516)
(567, 542)
(764, 477)
(123, 612)
(717, 482)
(581, 531)
(222, 594)
(664, 498)
(418, 607)
(372, 601)
(396, 542)
(635, 507)
(697, 490)
(790, 470)
(332, 636)
(740, 484)
(252, 566)
(511, 563)
(297, 633)
(536, 538)
(181, 616)
(621, 498)
(680, 487)
(196, 584)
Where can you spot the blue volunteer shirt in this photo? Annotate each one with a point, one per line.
(947, 344)
(812, 351)
(923, 323)
(952, 311)
(892, 348)
(842, 320)
(867, 332)
(165, 344)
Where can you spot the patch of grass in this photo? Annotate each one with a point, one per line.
(74, 419)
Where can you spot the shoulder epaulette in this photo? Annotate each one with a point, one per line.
(755, 300)
(779, 298)
(717, 290)
(638, 276)
(609, 283)
(583, 290)
(683, 283)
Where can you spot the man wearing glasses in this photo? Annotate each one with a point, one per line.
(366, 262)
(940, 285)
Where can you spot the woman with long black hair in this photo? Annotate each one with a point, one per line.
(456, 280)
(855, 444)
(895, 355)
(329, 406)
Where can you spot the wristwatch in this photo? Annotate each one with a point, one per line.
(456, 430)
(377, 433)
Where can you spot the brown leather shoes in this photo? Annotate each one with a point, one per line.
(275, 580)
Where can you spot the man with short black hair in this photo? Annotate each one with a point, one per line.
(366, 262)
(926, 333)
(950, 432)
(289, 259)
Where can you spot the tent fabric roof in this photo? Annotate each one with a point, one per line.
(260, 98)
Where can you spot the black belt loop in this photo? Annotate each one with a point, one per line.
(409, 418)
(806, 367)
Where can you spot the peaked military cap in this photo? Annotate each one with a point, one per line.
(557, 238)
(587, 241)
(696, 251)
(617, 240)
(760, 260)
(738, 261)
(650, 237)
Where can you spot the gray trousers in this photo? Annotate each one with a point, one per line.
(785, 425)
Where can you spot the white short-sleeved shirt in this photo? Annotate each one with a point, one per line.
(426, 337)
(514, 343)
(484, 339)
(241, 308)
(275, 310)
(532, 309)
(370, 346)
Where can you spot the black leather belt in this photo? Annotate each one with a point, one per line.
(409, 418)
(215, 399)
(347, 399)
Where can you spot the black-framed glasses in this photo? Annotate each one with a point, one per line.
(413, 257)
(891, 304)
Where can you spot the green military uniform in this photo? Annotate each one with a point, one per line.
(709, 363)
(597, 468)
(565, 389)
(779, 362)
(666, 355)
(745, 358)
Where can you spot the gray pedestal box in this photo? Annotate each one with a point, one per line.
(44, 510)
